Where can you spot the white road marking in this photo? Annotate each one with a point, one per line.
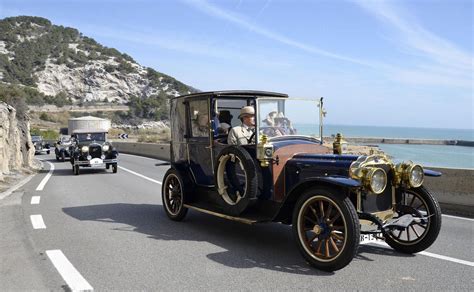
(149, 158)
(457, 217)
(450, 259)
(71, 276)
(37, 222)
(428, 254)
(35, 200)
(46, 178)
(15, 187)
(140, 175)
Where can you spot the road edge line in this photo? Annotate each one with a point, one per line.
(140, 175)
(12, 189)
(46, 178)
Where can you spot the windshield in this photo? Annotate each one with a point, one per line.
(35, 138)
(91, 137)
(288, 117)
(65, 140)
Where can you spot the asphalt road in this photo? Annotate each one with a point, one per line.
(114, 235)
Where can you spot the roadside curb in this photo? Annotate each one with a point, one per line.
(12, 189)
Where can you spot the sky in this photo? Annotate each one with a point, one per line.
(378, 63)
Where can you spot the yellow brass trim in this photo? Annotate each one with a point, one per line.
(317, 229)
(237, 219)
(359, 201)
(339, 144)
(402, 173)
(384, 215)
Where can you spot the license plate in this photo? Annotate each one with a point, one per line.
(367, 238)
(96, 162)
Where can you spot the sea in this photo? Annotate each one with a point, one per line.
(428, 155)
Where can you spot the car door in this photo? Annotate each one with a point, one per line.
(199, 141)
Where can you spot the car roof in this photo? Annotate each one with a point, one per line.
(234, 93)
(89, 131)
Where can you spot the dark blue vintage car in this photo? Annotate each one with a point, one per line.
(283, 173)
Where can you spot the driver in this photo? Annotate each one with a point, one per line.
(243, 134)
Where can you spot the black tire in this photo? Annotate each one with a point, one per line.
(407, 203)
(76, 169)
(107, 166)
(173, 195)
(114, 168)
(228, 183)
(335, 226)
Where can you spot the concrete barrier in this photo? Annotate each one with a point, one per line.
(158, 151)
(454, 189)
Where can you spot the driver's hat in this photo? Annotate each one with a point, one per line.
(247, 111)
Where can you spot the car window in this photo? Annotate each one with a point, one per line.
(199, 116)
(229, 110)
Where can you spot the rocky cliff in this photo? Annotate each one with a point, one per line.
(16, 149)
(61, 62)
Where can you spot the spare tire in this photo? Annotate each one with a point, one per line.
(236, 179)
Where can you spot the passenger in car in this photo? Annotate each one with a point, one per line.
(200, 126)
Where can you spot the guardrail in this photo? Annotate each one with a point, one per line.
(454, 189)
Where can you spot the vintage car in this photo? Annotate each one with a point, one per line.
(62, 149)
(331, 199)
(91, 149)
(40, 145)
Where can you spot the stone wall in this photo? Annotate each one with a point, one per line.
(16, 149)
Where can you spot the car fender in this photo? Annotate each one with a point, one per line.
(342, 183)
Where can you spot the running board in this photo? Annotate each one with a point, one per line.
(238, 219)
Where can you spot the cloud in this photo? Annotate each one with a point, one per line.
(186, 44)
(440, 61)
(215, 11)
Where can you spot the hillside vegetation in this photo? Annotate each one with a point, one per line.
(42, 63)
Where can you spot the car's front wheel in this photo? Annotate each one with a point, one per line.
(172, 194)
(422, 232)
(326, 228)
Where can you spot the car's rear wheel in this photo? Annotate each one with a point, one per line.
(421, 233)
(172, 194)
(326, 228)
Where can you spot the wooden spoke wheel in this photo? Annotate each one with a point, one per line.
(422, 232)
(173, 196)
(327, 228)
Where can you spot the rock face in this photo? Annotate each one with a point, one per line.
(59, 60)
(16, 149)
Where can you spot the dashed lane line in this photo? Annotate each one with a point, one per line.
(140, 175)
(35, 200)
(46, 178)
(68, 272)
(37, 222)
(426, 253)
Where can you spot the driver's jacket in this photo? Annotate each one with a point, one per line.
(240, 135)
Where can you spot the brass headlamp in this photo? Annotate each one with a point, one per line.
(409, 173)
